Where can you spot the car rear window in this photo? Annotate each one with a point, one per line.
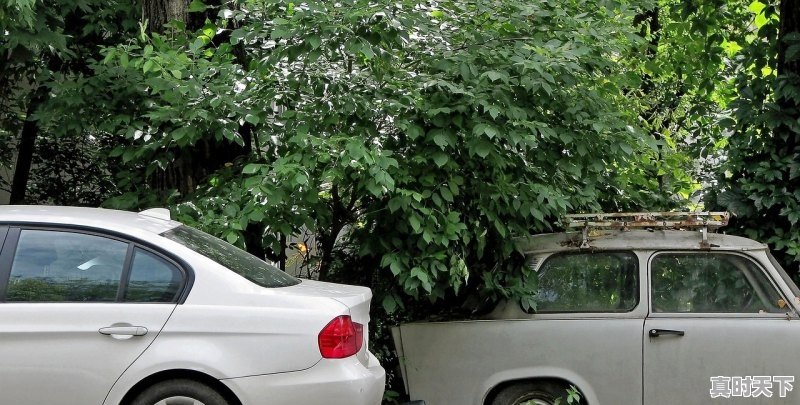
(241, 262)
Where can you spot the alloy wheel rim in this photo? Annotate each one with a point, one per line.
(178, 400)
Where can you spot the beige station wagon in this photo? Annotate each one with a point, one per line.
(632, 309)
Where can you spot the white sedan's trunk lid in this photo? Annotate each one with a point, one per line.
(356, 298)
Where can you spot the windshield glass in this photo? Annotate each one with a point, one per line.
(241, 262)
(784, 276)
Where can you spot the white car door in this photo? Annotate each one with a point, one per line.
(718, 329)
(68, 326)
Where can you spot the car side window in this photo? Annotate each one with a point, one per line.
(711, 283)
(588, 282)
(61, 266)
(152, 279)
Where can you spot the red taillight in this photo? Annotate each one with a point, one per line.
(341, 338)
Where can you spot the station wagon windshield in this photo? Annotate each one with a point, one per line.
(241, 262)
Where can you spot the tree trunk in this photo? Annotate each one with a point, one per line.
(650, 29)
(159, 12)
(786, 139)
(327, 236)
(193, 163)
(26, 148)
(789, 23)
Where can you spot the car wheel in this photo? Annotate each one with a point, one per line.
(179, 392)
(532, 393)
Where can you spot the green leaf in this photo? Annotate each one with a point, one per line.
(761, 20)
(196, 45)
(792, 53)
(420, 275)
(442, 138)
(414, 131)
(465, 72)
(385, 179)
(440, 158)
(209, 31)
(314, 41)
(252, 118)
(486, 129)
(197, 6)
(252, 168)
(109, 56)
(483, 148)
(626, 148)
(180, 133)
(446, 194)
(756, 7)
(389, 304)
(495, 76)
(366, 50)
(415, 224)
(395, 204)
(237, 35)
(232, 237)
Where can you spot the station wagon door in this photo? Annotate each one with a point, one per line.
(718, 329)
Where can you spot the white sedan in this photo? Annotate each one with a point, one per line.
(111, 307)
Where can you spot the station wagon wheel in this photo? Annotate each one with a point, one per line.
(531, 393)
(179, 392)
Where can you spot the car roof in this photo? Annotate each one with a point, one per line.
(655, 239)
(100, 218)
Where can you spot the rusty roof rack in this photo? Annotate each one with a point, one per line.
(704, 221)
(664, 220)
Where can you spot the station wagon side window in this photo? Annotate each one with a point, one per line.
(57, 266)
(711, 283)
(588, 282)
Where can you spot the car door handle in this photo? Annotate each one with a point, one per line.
(660, 332)
(124, 330)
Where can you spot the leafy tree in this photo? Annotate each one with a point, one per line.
(425, 136)
(761, 170)
(45, 45)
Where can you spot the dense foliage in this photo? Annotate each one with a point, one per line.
(425, 136)
(761, 170)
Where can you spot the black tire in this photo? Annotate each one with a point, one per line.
(175, 390)
(541, 393)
